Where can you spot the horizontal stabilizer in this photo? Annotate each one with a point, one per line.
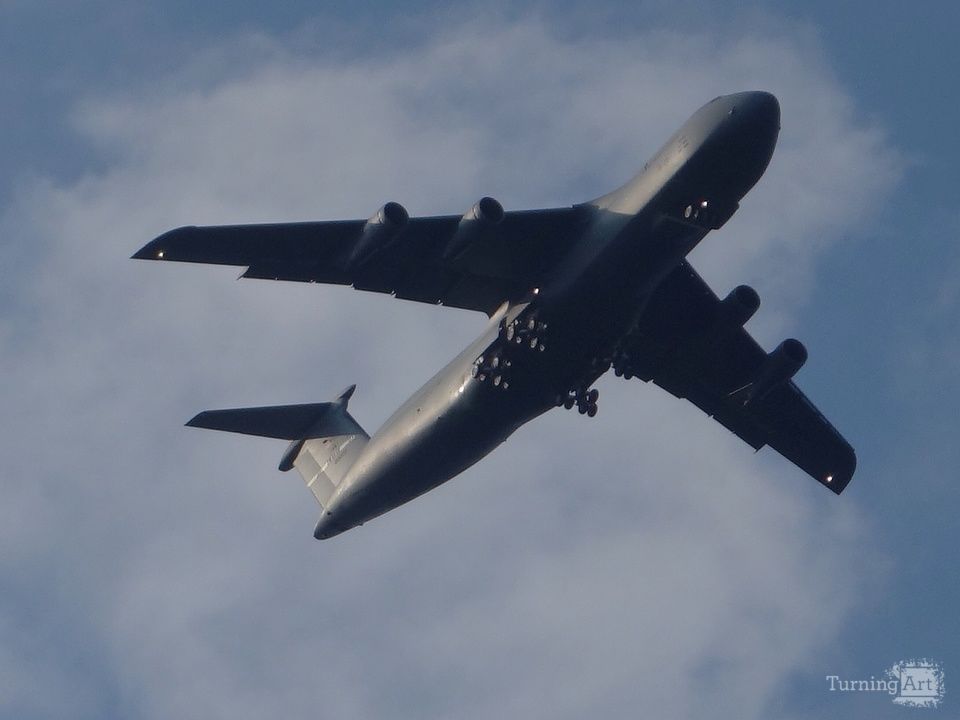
(325, 440)
(284, 422)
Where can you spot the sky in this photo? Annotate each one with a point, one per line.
(642, 563)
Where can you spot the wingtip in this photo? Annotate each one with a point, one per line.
(156, 249)
(145, 253)
(838, 481)
(195, 420)
(153, 250)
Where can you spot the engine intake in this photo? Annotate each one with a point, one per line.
(478, 222)
(739, 306)
(378, 232)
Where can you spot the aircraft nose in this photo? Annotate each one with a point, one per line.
(758, 108)
(740, 132)
(764, 109)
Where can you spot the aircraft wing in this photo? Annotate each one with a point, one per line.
(681, 346)
(504, 264)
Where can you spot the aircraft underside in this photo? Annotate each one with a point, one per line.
(569, 292)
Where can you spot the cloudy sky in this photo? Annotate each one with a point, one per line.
(644, 563)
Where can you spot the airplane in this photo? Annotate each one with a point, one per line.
(569, 293)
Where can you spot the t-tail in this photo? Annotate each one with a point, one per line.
(324, 438)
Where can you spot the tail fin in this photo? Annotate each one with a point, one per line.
(325, 439)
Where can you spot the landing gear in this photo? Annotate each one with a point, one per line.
(622, 367)
(494, 367)
(521, 335)
(527, 332)
(585, 400)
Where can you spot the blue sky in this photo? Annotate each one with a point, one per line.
(600, 567)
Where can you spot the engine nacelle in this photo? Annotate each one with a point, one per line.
(739, 306)
(779, 367)
(378, 232)
(478, 222)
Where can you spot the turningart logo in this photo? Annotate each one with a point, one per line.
(911, 683)
(920, 683)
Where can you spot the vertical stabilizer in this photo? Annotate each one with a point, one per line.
(324, 458)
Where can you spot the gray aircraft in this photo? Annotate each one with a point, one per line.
(569, 293)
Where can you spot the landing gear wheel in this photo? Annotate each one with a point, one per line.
(591, 411)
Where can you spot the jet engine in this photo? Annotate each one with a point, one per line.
(779, 367)
(478, 222)
(739, 306)
(378, 232)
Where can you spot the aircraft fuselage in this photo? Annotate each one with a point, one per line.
(546, 350)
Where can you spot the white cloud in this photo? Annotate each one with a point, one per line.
(644, 561)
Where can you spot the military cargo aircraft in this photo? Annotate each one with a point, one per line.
(569, 292)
